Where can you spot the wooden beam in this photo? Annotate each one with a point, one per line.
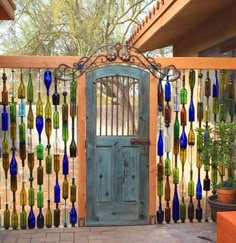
(179, 62)
(152, 148)
(199, 62)
(36, 61)
(81, 159)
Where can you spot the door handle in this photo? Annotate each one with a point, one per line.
(140, 141)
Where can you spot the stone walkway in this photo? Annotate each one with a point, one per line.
(171, 233)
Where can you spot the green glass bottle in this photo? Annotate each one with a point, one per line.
(183, 96)
(73, 191)
(23, 218)
(65, 189)
(39, 106)
(31, 196)
(55, 119)
(176, 175)
(207, 85)
(40, 151)
(40, 197)
(5, 154)
(21, 89)
(23, 195)
(65, 122)
(191, 79)
(6, 217)
(48, 164)
(191, 188)
(48, 216)
(14, 218)
(48, 123)
(30, 118)
(167, 166)
(22, 136)
(30, 89)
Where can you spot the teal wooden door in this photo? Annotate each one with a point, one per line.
(117, 105)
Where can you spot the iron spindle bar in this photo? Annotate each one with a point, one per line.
(128, 105)
(112, 89)
(100, 123)
(123, 105)
(117, 104)
(133, 108)
(106, 104)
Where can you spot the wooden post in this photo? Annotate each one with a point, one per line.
(81, 151)
(152, 150)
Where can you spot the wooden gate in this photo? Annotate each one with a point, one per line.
(117, 141)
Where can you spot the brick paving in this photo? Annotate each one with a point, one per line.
(171, 233)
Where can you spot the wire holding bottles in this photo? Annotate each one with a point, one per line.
(48, 132)
(40, 154)
(5, 148)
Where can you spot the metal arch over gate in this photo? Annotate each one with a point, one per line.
(118, 170)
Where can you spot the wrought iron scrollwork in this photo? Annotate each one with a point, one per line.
(127, 54)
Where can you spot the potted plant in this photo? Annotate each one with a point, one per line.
(218, 150)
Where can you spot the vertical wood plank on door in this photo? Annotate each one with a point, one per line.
(91, 115)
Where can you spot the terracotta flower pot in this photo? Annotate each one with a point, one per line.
(226, 195)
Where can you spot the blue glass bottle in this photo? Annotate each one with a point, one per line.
(47, 80)
(183, 140)
(160, 145)
(199, 189)
(73, 215)
(4, 119)
(65, 164)
(167, 91)
(215, 87)
(191, 111)
(175, 206)
(13, 164)
(57, 192)
(31, 219)
(39, 125)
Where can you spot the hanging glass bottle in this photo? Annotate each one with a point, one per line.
(160, 153)
(56, 156)
(48, 131)
(175, 203)
(65, 163)
(22, 138)
(199, 147)
(40, 155)
(30, 154)
(167, 149)
(191, 143)
(73, 150)
(5, 148)
(183, 149)
(206, 182)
